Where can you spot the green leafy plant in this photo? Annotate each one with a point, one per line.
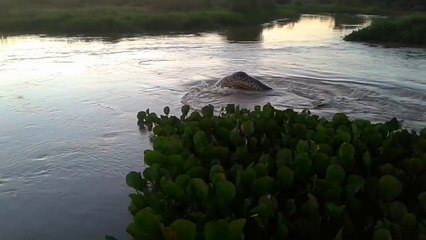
(277, 174)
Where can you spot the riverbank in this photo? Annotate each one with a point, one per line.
(410, 30)
(105, 19)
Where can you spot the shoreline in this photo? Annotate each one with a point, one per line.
(101, 20)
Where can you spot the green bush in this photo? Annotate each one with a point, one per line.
(408, 30)
(278, 174)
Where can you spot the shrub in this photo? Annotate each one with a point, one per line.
(278, 174)
(408, 29)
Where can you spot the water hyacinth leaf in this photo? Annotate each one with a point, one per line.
(326, 148)
(354, 184)
(302, 146)
(285, 176)
(303, 163)
(343, 136)
(382, 234)
(141, 116)
(409, 220)
(310, 206)
(346, 154)
(397, 210)
(247, 128)
(281, 230)
(263, 185)
(225, 190)
(284, 157)
(260, 169)
(366, 159)
(387, 169)
(333, 192)
(200, 141)
(201, 189)
(335, 173)
(207, 111)
(138, 200)
(235, 138)
(137, 232)
(230, 108)
(184, 229)
(166, 110)
(340, 119)
(335, 211)
(134, 180)
(197, 172)
(215, 230)
(185, 110)
(422, 200)
(389, 187)
(290, 207)
(173, 190)
(151, 157)
(339, 235)
(236, 228)
(148, 221)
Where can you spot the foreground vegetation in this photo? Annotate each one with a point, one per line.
(135, 16)
(403, 30)
(278, 174)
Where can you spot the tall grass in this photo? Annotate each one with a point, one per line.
(409, 29)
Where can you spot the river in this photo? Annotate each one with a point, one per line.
(68, 105)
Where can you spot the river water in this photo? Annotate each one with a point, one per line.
(68, 105)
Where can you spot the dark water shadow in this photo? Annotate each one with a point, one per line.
(243, 34)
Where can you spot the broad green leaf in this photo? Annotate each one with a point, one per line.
(409, 220)
(422, 200)
(236, 229)
(247, 128)
(138, 200)
(397, 210)
(185, 110)
(173, 190)
(207, 111)
(263, 185)
(284, 157)
(303, 163)
(382, 234)
(285, 176)
(148, 221)
(225, 190)
(389, 187)
(185, 229)
(134, 180)
(151, 157)
(152, 173)
(201, 189)
(354, 184)
(197, 172)
(200, 141)
(281, 230)
(166, 110)
(216, 230)
(335, 173)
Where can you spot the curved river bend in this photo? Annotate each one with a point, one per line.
(68, 133)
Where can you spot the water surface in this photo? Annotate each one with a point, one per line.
(68, 105)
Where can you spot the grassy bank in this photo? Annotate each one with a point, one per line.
(73, 17)
(409, 29)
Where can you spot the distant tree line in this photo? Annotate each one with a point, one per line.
(245, 6)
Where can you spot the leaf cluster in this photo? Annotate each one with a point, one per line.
(278, 174)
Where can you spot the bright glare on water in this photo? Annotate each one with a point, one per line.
(68, 133)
